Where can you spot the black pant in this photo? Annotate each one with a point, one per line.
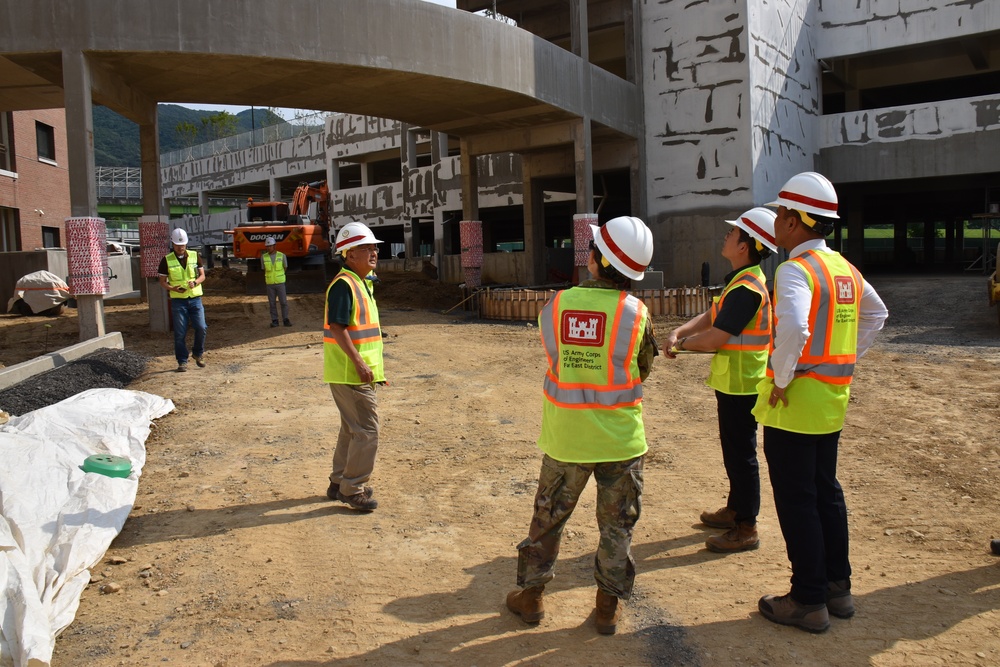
(738, 432)
(811, 509)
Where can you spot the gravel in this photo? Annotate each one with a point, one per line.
(105, 368)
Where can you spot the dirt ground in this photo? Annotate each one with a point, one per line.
(233, 556)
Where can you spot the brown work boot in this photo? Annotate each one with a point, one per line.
(839, 600)
(741, 538)
(359, 501)
(723, 518)
(608, 612)
(786, 611)
(527, 603)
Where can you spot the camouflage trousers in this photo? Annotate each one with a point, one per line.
(619, 504)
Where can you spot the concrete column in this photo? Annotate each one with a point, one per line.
(900, 250)
(155, 210)
(203, 209)
(333, 175)
(471, 232)
(366, 174)
(534, 226)
(439, 247)
(154, 244)
(949, 244)
(411, 238)
(582, 236)
(856, 237)
(583, 158)
(274, 184)
(439, 146)
(470, 184)
(77, 87)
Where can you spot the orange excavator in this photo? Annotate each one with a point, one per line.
(303, 240)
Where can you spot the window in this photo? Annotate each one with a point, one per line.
(45, 136)
(6, 149)
(8, 230)
(50, 237)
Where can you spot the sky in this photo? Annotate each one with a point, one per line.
(287, 114)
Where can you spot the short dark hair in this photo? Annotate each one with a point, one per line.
(756, 256)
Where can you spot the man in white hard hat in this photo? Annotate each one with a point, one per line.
(738, 329)
(353, 366)
(275, 264)
(182, 274)
(600, 347)
(826, 316)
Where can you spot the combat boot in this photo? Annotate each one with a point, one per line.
(741, 538)
(527, 603)
(608, 612)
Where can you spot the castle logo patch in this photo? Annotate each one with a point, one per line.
(583, 327)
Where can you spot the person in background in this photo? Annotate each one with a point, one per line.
(738, 329)
(182, 274)
(275, 264)
(353, 366)
(600, 347)
(825, 318)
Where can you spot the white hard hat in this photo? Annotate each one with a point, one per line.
(626, 243)
(352, 234)
(809, 192)
(269, 241)
(759, 223)
(179, 237)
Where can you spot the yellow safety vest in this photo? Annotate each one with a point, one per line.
(818, 395)
(274, 272)
(739, 364)
(363, 330)
(593, 394)
(180, 275)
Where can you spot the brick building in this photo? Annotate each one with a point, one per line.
(34, 179)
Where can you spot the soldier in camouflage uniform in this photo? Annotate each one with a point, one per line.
(600, 347)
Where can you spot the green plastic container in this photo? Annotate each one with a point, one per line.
(108, 465)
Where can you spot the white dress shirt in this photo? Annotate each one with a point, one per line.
(793, 300)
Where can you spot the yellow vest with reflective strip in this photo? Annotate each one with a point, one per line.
(739, 364)
(180, 275)
(274, 272)
(363, 331)
(818, 395)
(593, 394)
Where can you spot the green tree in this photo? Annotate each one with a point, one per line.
(220, 125)
(187, 133)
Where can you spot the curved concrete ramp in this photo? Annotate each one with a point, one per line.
(414, 61)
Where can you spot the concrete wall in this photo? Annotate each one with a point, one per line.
(286, 158)
(38, 189)
(849, 28)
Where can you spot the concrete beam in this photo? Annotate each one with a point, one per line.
(21, 372)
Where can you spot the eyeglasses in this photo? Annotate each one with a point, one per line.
(367, 250)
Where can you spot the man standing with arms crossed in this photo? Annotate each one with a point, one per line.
(352, 365)
(826, 317)
(738, 329)
(181, 274)
(600, 347)
(275, 264)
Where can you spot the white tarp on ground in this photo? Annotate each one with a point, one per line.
(41, 290)
(57, 521)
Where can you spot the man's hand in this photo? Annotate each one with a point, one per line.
(669, 345)
(777, 394)
(365, 373)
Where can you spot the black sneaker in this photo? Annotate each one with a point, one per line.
(274, 323)
(288, 322)
(359, 501)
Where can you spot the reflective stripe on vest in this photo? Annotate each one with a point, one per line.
(274, 271)
(756, 336)
(364, 327)
(363, 332)
(831, 350)
(178, 275)
(621, 386)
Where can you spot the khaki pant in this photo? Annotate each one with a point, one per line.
(357, 443)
